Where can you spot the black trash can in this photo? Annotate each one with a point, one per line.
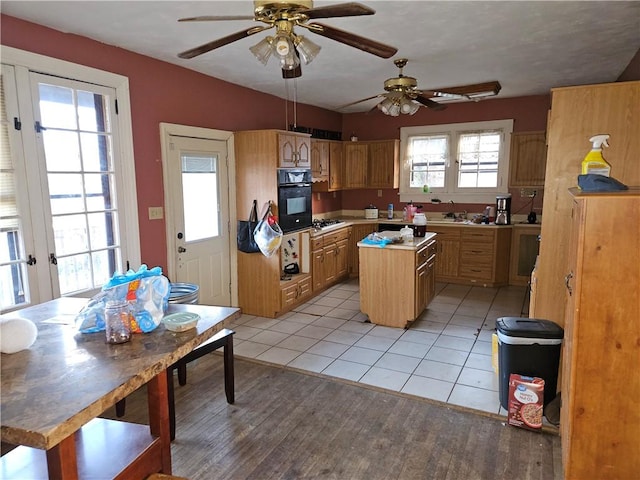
(531, 347)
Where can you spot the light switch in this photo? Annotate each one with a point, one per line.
(155, 213)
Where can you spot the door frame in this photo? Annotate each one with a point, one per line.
(166, 131)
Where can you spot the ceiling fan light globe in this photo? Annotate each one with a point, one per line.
(307, 49)
(385, 106)
(394, 111)
(283, 46)
(263, 50)
(289, 62)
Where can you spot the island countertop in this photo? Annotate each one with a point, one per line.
(415, 244)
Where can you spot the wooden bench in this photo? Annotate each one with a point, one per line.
(224, 339)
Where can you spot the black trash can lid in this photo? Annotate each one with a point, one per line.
(528, 328)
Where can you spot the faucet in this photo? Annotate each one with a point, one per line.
(452, 213)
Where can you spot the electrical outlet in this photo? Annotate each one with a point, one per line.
(379, 193)
(528, 192)
(155, 213)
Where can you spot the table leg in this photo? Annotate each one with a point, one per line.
(62, 460)
(158, 400)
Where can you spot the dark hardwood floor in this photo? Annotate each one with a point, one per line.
(291, 425)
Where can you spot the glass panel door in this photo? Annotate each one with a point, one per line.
(73, 122)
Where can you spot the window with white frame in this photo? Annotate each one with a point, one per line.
(464, 162)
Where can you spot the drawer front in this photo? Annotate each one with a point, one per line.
(334, 237)
(480, 272)
(477, 234)
(445, 233)
(425, 253)
(317, 243)
(480, 253)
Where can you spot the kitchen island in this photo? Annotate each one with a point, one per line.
(397, 281)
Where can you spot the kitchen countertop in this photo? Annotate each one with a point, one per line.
(348, 221)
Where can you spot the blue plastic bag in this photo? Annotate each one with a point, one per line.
(146, 291)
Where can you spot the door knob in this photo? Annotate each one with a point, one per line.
(181, 249)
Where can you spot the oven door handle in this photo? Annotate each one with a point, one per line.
(293, 185)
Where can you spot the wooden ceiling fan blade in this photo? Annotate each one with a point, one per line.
(476, 90)
(221, 42)
(429, 103)
(213, 18)
(359, 101)
(351, 9)
(353, 40)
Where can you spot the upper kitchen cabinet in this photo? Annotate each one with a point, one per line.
(326, 165)
(383, 166)
(528, 159)
(371, 164)
(578, 113)
(355, 165)
(320, 160)
(294, 150)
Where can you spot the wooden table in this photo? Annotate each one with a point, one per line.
(53, 393)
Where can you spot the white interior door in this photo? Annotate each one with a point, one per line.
(198, 201)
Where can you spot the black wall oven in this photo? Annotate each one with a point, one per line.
(294, 198)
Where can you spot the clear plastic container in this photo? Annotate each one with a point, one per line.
(117, 322)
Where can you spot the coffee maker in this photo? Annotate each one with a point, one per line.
(503, 209)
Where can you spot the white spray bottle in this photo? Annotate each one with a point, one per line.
(594, 162)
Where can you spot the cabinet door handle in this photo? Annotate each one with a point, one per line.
(567, 279)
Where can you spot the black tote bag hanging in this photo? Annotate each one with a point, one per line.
(246, 242)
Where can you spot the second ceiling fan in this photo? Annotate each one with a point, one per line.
(403, 96)
(286, 44)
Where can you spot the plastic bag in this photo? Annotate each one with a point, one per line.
(146, 291)
(268, 234)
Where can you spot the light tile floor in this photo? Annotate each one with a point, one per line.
(444, 355)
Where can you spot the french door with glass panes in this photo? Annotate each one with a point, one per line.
(71, 176)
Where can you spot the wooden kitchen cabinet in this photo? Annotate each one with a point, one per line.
(524, 251)
(600, 385)
(336, 166)
(327, 165)
(260, 290)
(355, 165)
(329, 258)
(448, 262)
(475, 255)
(358, 232)
(372, 164)
(320, 160)
(425, 276)
(577, 113)
(294, 150)
(528, 159)
(383, 164)
(295, 291)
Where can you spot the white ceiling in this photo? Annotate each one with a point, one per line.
(529, 47)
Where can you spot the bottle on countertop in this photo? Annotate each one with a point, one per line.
(594, 162)
(390, 211)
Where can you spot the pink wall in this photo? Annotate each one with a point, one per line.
(163, 92)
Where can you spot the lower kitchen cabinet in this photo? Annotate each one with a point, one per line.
(329, 258)
(470, 254)
(600, 416)
(295, 291)
(425, 276)
(448, 262)
(525, 244)
(358, 232)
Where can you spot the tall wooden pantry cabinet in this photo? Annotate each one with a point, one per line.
(578, 113)
(600, 415)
